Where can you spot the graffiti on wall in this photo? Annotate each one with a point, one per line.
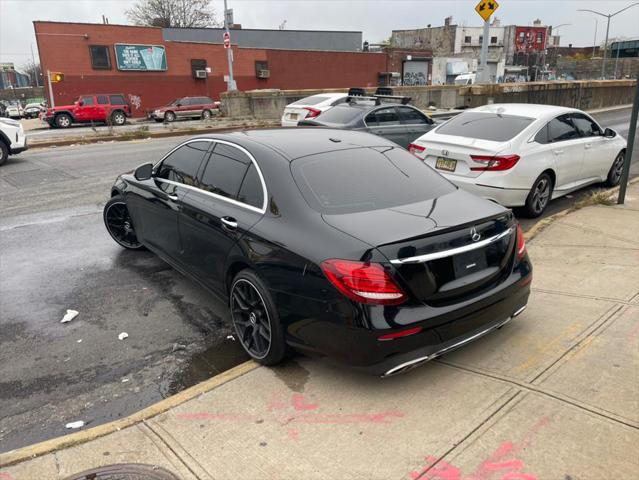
(135, 101)
(414, 78)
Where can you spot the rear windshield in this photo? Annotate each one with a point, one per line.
(314, 100)
(485, 126)
(340, 114)
(364, 179)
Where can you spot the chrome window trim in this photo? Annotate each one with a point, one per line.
(453, 251)
(215, 195)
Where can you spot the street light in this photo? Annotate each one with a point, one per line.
(608, 16)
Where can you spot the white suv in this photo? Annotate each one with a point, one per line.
(12, 138)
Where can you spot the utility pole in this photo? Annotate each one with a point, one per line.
(594, 41)
(35, 69)
(617, 59)
(608, 16)
(51, 99)
(229, 52)
(483, 76)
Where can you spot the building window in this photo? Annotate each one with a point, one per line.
(100, 59)
(467, 39)
(493, 40)
(540, 37)
(261, 69)
(521, 37)
(481, 39)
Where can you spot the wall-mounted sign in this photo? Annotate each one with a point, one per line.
(140, 57)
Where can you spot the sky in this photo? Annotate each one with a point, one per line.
(375, 18)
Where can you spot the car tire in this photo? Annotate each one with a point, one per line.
(255, 319)
(169, 117)
(159, 120)
(206, 115)
(539, 196)
(616, 170)
(119, 224)
(118, 118)
(4, 152)
(63, 120)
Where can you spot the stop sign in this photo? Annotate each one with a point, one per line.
(227, 40)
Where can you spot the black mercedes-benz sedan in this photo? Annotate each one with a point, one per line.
(330, 242)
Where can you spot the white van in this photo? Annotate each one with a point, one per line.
(465, 79)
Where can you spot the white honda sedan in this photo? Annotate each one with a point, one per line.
(523, 155)
(310, 107)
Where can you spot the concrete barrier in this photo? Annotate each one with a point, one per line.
(584, 94)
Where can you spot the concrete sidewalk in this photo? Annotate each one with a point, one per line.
(552, 395)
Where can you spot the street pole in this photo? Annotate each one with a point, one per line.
(229, 54)
(483, 68)
(631, 143)
(617, 59)
(603, 63)
(51, 100)
(35, 70)
(594, 42)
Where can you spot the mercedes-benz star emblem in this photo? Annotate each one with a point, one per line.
(474, 235)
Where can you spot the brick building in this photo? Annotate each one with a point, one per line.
(152, 70)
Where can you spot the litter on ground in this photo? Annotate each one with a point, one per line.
(70, 315)
(78, 424)
(123, 335)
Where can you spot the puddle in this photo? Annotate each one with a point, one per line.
(292, 374)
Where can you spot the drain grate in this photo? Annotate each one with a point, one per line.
(125, 471)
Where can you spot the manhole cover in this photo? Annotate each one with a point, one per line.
(125, 471)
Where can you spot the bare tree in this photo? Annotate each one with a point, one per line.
(34, 71)
(173, 13)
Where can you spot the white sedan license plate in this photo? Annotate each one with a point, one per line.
(293, 116)
(447, 164)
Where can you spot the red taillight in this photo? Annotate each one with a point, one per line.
(363, 282)
(403, 333)
(494, 163)
(415, 149)
(312, 112)
(521, 243)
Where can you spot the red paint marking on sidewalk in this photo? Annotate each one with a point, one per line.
(347, 418)
(293, 434)
(5, 476)
(300, 403)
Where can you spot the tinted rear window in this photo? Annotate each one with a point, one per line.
(117, 100)
(340, 114)
(485, 126)
(358, 180)
(314, 100)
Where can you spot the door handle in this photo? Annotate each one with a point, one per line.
(588, 145)
(173, 198)
(558, 152)
(229, 223)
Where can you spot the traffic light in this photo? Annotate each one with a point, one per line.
(57, 77)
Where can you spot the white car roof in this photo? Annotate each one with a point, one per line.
(531, 110)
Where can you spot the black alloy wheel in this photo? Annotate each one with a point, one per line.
(614, 175)
(539, 196)
(119, 225)
(255, 319)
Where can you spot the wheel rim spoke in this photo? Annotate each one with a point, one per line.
(251, 319)
(120, 226)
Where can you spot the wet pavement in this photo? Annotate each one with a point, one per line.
(56, 255)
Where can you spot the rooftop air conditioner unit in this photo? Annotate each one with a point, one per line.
(200, 74)
(263, 73)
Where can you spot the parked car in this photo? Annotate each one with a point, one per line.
(12, 139)
(14, 111)
(328, 241)
(377, 114)
(523, 155)
(33, 110)
(465, 79)
(185, 107)
(310, 107)
(110, 108)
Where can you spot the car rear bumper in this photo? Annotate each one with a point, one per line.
(508, 197)
(289, 123)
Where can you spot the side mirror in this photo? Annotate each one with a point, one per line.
(143, 172)
(610, 133)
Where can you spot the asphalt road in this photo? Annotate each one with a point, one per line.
(56, 255)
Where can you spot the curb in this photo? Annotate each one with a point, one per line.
(36, 450)
(538, 227)
(123, 137)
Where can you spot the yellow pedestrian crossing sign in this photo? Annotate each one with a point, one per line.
(486, 8)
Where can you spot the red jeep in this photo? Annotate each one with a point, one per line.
(92, 108)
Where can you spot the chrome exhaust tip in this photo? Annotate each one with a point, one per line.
(519, 311)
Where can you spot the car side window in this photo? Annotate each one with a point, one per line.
(103, 100)
(411, 116)
(183, 164)
(542, 135)
(561, 129)
(586, 126)
(387, 116)
(251, 191)
(206, 100)
(87, 101)
(117, 100)
(225, 171)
